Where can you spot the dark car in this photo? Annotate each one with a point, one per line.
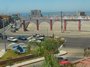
(22, 38)
(60, 58)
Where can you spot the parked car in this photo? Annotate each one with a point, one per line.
(12, 39)
(22, 38)
(31, 40)
(31, 37)
(40, 38)
(60, 58)
(15, 44)
(10, 46)
(35, 35)
(18, 48)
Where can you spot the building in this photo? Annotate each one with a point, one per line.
(5, 17)
(6, 20)
(81, 14)
(36, 13)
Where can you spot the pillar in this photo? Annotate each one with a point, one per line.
(64, 25)
(50, 24)
(79, 25)
(37, 23)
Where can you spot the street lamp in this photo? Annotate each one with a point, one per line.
(3, 20)
(61, 23)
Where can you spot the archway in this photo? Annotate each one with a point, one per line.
(85, 26)
(44, 27)
(32, 26)
(72, 25)
(57, 26)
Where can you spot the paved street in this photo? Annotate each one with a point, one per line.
(77, 42)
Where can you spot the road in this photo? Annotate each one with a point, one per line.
(77, 42)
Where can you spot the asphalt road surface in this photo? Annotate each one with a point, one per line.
(77, 42)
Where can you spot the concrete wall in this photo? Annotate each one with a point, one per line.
(56, 26)
(44, 26)
(85, 25)
(72, 26)
(32, 26)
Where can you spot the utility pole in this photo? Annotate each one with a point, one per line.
(61, 22)
(4, 37)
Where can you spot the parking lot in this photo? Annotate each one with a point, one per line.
(19, 39)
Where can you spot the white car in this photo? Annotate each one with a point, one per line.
(22, 44)
(31, 40)
(29, 37)
(11, 45)
(12, 39)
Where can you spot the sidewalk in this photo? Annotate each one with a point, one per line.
(49, 33)
(27, 62)
(2, 52)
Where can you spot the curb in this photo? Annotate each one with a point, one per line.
(28, 62)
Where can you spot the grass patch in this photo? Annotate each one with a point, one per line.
(12, 54)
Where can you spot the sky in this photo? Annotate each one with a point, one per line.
(7, 6)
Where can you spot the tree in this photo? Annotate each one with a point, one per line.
(47, 49)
